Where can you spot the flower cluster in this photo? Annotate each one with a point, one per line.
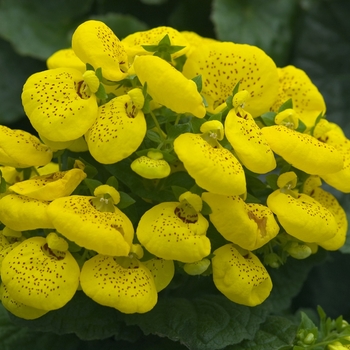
(162, 153)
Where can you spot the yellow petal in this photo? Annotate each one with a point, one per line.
(240, 277)
(22, 213)
(95, 43)
(214, 169)
(307, 100)
(223, 65)
(56, 106)
(104, 232)
(20, 149)
(150, 168)
(39, 280)
(248, 225)
(167, 235)
(50, 187)
(303, 151)
(303, 217)
(129, 288)
(65, 58)
(248, 142)
(162, 270)
(19, 309)
(168, 86)
(117, 120)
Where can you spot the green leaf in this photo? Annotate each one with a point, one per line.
(286, 105)
(178, 191)
(92, 184)
(268, 118)
(173, 131)
(206, 322)
(125, 200)
(268, 26)
(22, 23)
(275, 333)
(153, 136)
(198, 80)
(14, 71)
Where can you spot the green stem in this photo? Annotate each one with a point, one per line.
(160, 132)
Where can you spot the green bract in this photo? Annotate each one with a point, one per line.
(214, 156)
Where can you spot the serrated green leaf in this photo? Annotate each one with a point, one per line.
(206, 322)
(22, 23)
(275, 333)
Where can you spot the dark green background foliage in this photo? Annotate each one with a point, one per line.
(313, 35)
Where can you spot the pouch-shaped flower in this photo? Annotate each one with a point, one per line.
(35, 276)
(222, 65)
(166, 233)
(162, 270)
(75, 217)
(50, 187)
(168, 86)
(307, 100)
(19, 309)
(303, 151)
(215, 169)
(248, 225)
(57, 105)
(109, 138)
(95, 43)
(20, 149)
(240, 276)
(122, 283)
(249, 144)
(65, 58)
(302, 216)
(21, 213)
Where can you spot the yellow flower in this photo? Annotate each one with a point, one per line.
(248, 142)
(248, 225)
(75, 217)
(134, 42)
(95, 43)
(331, 203)
(222, 65)
(303, 151)
(38, 277)
(65, 58)
(51, 186)
(20, 149)
(8, 242)
(57, 105)
(125, 284)
(195, 40)
(152, 166)
(78, 145)
(19, 309)
(109, 139)
(10, 174)
(197, 268)
(213, 167)
(168, 86)
(240, 276)
(302, 216)
(174, 231)
(162, 270)
(308, 103)
(22, 213)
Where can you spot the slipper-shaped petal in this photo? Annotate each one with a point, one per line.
(249, 144)
(248, 225)
(19, 309)
(303, 217)
(21, 213)
(56, 104)
(222, 65)
(75, 217)
(215, 169)
(20, 149)
(65, 58)
(95, 43)
(307, 100)
(168, 86)
(124, 284)
(162, 270)
(303, 151)
(36, 277)
(166, 234)
(242, 278)
(109, 138)
(50, 187)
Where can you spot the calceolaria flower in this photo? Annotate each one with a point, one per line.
(175, 230)
(39, 275)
